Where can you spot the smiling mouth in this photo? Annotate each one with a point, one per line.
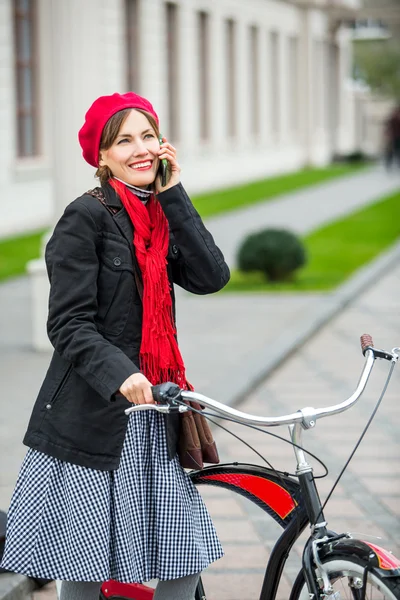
(142, 166)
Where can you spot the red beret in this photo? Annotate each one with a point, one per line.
(97, 116)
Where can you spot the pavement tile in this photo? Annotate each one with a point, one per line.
(337, 507)
(393, 503)
(382, 485)
(376, 467)
(242, 556)
(232, 586)
(223, 507)
(367, 451)
(231, 530)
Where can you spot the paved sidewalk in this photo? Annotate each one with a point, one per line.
(229, 341)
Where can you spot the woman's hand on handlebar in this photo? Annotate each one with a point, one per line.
(137, 389)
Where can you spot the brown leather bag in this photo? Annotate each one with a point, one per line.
(196, 443)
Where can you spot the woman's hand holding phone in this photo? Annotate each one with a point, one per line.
(167, 152)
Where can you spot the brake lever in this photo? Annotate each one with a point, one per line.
(166, 393)
(383, 354)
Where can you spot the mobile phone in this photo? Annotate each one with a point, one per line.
(163, 167)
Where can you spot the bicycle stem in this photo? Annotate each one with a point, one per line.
(296, 435)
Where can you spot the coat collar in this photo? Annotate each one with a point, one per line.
(111, 196)
(121, 217)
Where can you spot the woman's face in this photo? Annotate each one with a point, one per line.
(133, 157)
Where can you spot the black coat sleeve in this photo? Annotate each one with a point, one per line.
(72, 265)
(199, 266)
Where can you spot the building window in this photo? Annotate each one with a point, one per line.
(132, 43)
(172, 70)
(230, 61)
(254, 81)
(26, 77)
(204, 73)
(293, 87)
(275, 81)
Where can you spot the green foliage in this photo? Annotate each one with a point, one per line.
(228, 199)
(335, 251)
(377, 63)
(16, 252)
(277, 253)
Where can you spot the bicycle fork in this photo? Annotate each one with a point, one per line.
(312, 565)
(316, 576)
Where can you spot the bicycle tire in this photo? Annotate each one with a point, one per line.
(345, 573)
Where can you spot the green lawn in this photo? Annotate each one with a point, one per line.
(335, 251)
(258, 191)
(17, 251)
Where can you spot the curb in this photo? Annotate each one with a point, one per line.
(261, 364)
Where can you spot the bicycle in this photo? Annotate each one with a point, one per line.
(334, 566)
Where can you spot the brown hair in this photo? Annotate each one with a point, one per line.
(110, 133)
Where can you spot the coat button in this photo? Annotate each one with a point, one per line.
(48, 406)
(174, 249)
(117, 261)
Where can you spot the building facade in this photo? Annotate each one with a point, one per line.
(243, 88)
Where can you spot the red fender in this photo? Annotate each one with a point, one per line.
(386, 560)
(377, 557)
(132, 591)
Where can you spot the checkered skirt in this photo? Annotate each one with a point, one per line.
(144, 521)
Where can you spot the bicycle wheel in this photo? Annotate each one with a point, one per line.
(346, 576)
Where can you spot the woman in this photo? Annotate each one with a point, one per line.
(97, 497)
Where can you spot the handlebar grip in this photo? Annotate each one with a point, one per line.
(366, 342)
(164, 393)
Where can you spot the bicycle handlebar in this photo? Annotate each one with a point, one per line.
(170, 398)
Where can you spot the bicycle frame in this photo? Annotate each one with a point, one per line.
(291, 502)
(276, 494)
(281, 497)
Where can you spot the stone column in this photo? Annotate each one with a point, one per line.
(218, 83)
(152, 58)
(334, 97)
(347, 112)
(264, 79)
(78, 50)
(188, 74)
(242, 86)
(306, 88)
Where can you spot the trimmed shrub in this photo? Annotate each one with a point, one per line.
(275, 252)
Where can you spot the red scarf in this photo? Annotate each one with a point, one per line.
(160, 358)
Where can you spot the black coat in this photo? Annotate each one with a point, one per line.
(95, 320)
